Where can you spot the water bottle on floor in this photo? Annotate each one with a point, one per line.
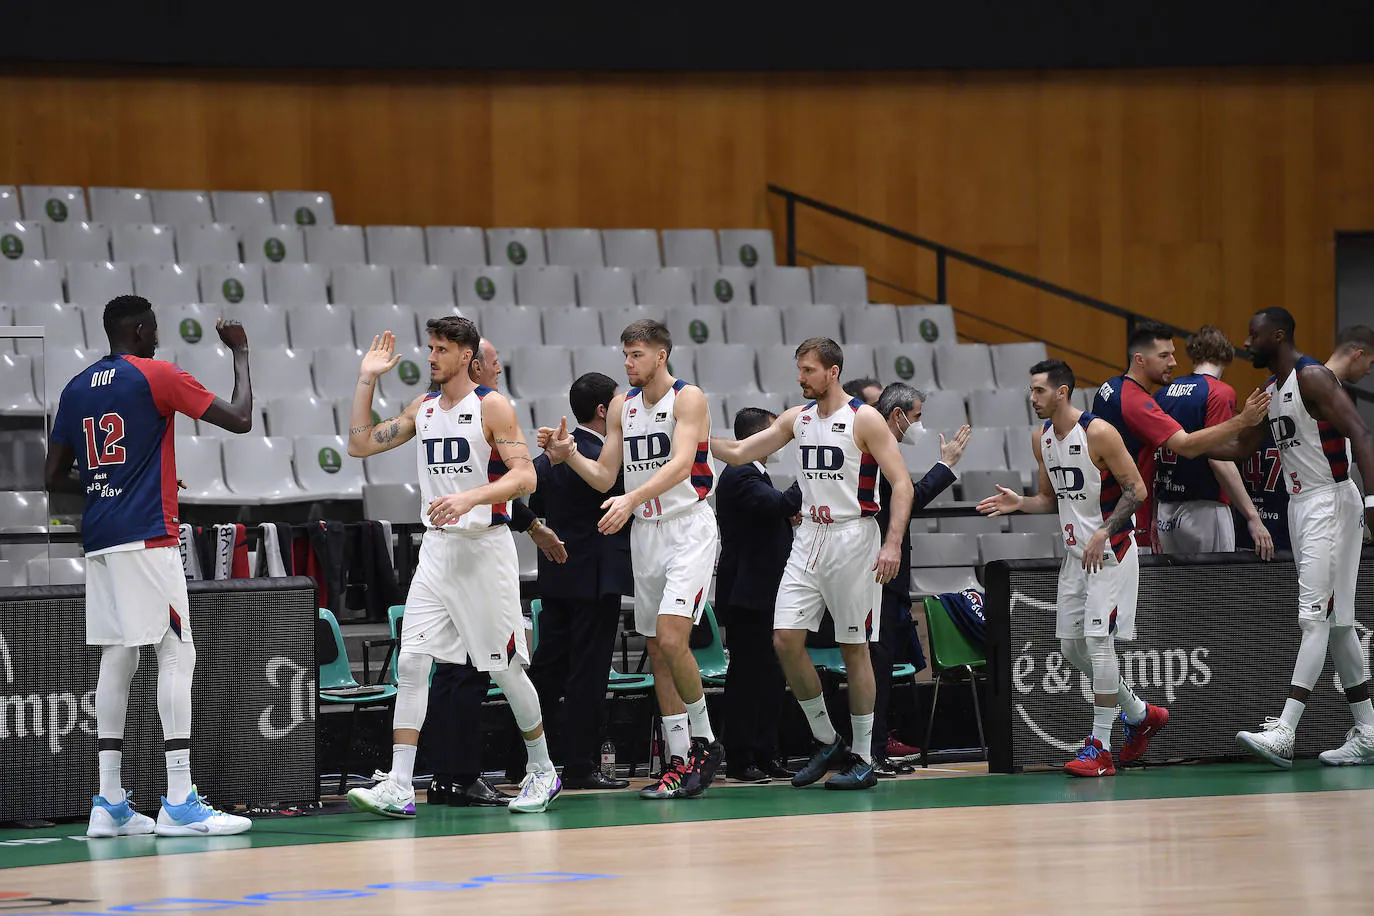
(608, 759)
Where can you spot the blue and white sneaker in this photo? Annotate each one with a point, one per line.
(388, 798)
(195, 817)
(857, 775)
(117, 820)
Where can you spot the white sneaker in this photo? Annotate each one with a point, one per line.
(109, 820)
(194, 817)
(1358, 749)
(1274, 743)
(387, 798)
(537, 792)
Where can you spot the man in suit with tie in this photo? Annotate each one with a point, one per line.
(755, 537)
(901, 405)
(581, 598)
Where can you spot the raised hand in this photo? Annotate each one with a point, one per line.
(1256, 407)
(232, 334)
(559, 444)
(380, 358)
(953, 450)
(1003, 502)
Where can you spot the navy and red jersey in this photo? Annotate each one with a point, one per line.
(1196, 401)
(1144, 427)
(117, 417)
(1262, 474)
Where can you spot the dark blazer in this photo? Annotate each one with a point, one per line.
(937, 479)
(597, 564)
(755, 537)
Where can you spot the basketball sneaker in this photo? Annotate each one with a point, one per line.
(827, 757)
(195, 817)
(857, 775)
(1274, 743)
(1138, 735)
(1093, 760)
(117, 820)
(537, 792)
(387, 798)
(900, 752)
(701, 767)
(670, 783)
(1358, 749)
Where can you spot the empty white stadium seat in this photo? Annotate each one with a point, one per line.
(96, 283)
(481, 286)
(55, 571)
(546, 286)
(725, 286)
(511, 326)
(361, 284)
(395, 466)
(778, 368)
(63, 325)
(966, 366)
(631, 248)
(759, 326)
(20, 240)
(836, 285)
(273, 243)
(608, 360)
(747, 247)
(181, 208)
(1015, 547)
(258, 469)
(166, 283)
(265, 324)
(979, 484)
(769, 401)
(932, 324)
(944, 410)
(858, 361)
(875, 325)
(371, 320)
(322, 326)
(334, 245)
(1011, 362)
(183, 325)
(16, 385)
(231, 284)
(296, 284)
(999, 407)
(802, 322)
(30, 280)
(407, 381)
(782, 286)
(120, 205)
(59, 366)
(572, 327)
(9, 203)
(605, 287)
(335, 370)
(970, 524)
(242, 209)
(986, 449)
(664, 286)
(395, 246)
(207, 243)
(696, 324)
(725, 368)
(539, 371)
(54, 203)
(690, 248)
(280, 372)
(516, 247)
(574, 247)
(428, 286)
(211, 364)
(200, 466)
(77, 241)
(298, 415)
(303, 208)
(943, 563)
(456, 246)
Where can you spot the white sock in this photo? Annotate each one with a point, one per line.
(403, 764)
(699, 723)
(1292, 712)
(178, 776)
(1103, 717)
(863, 736)
(1132, 706)
(537, 754)
(111, 779)
(677, 733)
(819, 719)
(1363, 712)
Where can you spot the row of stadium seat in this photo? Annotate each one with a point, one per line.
(28, 380)
(98, 280)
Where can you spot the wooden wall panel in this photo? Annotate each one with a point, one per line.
(1196, 196)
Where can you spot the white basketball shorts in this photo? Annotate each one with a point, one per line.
(1198, 526)
(831, 566)
(674, 559)
(1100, 603)
(1327, 529)
(464, 601)
(133, 597)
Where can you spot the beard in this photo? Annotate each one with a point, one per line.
(1261, 360)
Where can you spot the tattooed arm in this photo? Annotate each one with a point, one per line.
(1105, 447)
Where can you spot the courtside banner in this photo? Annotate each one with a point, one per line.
(1216, 638)
(252, 713)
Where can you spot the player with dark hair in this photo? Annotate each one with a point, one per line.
(656, 435)
(464, 600)
(1316, 426)
(115, 422)
(865, 389)
(840, 559)
(1088, 474)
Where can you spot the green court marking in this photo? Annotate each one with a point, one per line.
(619, 809)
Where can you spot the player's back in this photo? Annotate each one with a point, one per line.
(117, 417)
(647, 431)
(1315, 455)
(1087, 495)
(839, 480)
(1196, 401)
(454, 456)
(1109, 404)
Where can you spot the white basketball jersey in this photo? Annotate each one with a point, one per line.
(647, 430)
(839, 480)
(1313, 453)
(454, 456)
(1087, 494)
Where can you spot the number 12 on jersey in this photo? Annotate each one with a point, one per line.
(110, 451)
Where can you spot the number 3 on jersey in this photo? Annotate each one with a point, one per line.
(1070, 539)
(653, 507)
(110, 451)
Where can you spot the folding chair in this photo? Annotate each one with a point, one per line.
(337, 685)
(951, 650)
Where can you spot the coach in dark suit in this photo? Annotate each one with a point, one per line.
(581, 598)
(901, 405)
(755, 538)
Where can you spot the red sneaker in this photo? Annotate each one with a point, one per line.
(897, 751)
(1091, 761)
(1138, 736)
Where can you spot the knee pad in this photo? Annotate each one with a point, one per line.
(117, 667)
(1348, 656)
(1075, 652)
(1106, 669)
(412, 690)
(515, 683)
(1316, 634)
(176, 664)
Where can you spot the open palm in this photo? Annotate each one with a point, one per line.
(381, 357)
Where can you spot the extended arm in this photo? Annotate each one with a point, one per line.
(758, 446)
(758, 497)
(363, 437)
(1006, 501)
(599, 473)
(1228, 477)
(1232, 440)
(235, 415)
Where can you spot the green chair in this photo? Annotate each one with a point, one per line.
(711, 657)
(950, 650)
(337, 685)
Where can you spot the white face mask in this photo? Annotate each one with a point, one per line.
(901, 435)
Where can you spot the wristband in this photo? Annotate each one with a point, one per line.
(1369, 502)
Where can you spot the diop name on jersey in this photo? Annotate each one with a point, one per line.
(635, 467)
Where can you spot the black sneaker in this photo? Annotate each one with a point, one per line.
(669, 784)
(701, 767)
(828, 757)
(887, 768)
(748, 774)
(856, 775)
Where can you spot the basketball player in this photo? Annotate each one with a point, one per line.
(1353, 357)
(115, 422)
(1086, 470)
(840, 560)
(464, 601)
(1316, 426)
(656, 433)
(1190, 515)
(1125, 402)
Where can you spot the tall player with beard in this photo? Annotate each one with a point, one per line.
(656, 434)
(464, 601)
(1087, 472)
(840, 560)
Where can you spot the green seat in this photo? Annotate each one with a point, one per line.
(337, 685)
(711, 657)
(951, 650)
(903, 670)
(827, 661)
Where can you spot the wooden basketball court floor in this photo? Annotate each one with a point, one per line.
(1219, 838)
